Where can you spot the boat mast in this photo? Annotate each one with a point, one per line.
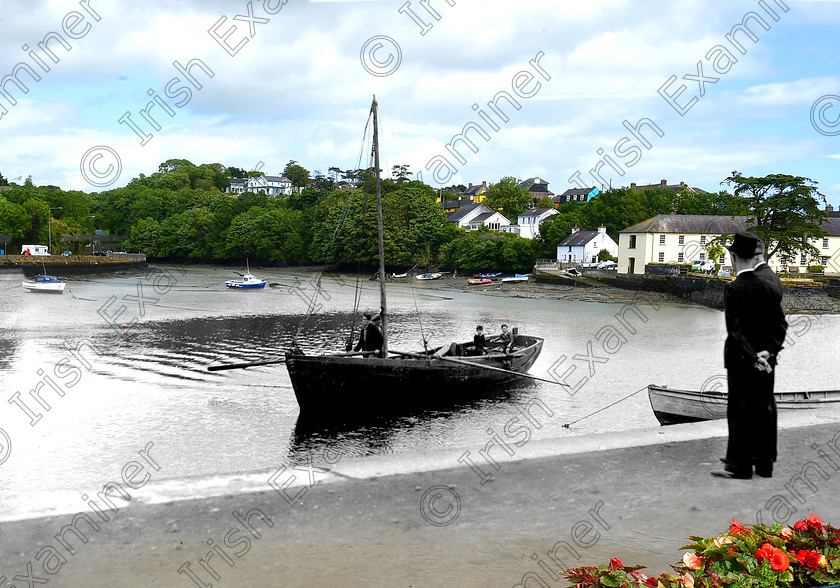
(382, 312)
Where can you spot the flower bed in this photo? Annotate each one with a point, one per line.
(761, 556)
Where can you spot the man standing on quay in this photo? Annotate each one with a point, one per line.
(756, 327)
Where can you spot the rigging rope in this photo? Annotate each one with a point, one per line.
(342, 219)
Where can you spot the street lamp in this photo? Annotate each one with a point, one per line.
(50, 225)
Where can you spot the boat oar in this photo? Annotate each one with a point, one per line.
(236, 366)
(478, 365)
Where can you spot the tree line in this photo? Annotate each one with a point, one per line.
(181, 212)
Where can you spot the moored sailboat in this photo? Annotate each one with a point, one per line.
(389, 381)
(350, 385)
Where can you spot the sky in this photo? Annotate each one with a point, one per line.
(596, 93)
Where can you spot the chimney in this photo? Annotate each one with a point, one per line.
(632, 185)
(575, 230)
(829, 208)
(484, 183)
(663, 183)
(470, 186)
(602, 229)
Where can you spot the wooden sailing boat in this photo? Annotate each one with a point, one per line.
(395, 381)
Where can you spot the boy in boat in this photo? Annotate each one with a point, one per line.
(505, 338)
(370, 337)
(480, 341)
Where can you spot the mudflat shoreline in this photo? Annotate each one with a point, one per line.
(799, 301)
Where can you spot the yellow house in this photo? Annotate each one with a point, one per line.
(476, 193)
(678, 238)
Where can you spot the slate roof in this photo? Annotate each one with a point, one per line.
(577, 191)
(475, 190)
(535, 211)
(533, 182)
(578, 239)
(482, 217)
(456, 216)
(832, 226)
(457, 203)
(690, 223)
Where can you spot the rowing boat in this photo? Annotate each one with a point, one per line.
(671, 406)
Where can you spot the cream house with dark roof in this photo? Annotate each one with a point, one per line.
(682, 238)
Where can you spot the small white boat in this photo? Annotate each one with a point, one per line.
(516, 278)
(248, 282)
(671, 405)
(430, 276)
(45, 283)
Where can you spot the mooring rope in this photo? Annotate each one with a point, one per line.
(569, 425)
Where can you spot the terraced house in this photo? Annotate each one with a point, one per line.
(678, 238)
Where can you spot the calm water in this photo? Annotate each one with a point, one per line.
(143, 379)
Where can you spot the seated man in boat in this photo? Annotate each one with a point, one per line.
(505, 338)
(480, 341)
(370, 337)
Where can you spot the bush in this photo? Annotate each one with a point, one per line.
(815, 269)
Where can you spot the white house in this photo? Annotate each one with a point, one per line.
(584, 246)
(528, 223)
(466, 214)
(493, 220)
(268, 185)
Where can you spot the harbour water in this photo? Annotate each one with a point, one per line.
(90, 377)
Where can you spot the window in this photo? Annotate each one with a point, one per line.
(825, 242)
(824, 261)
(682, 240)
(662, 239)
(803, 260)
(702, 240)
(661, 256)
(680, 258)
(702, 257)
(722, 259)
(632, 241)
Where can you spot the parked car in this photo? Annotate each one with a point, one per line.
(66, 253)
(704, 265)
(607, 265)
(100, 253)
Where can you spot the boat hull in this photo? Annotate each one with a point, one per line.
(327, 386)
(235, 286)
(47, 287)
(672, 406)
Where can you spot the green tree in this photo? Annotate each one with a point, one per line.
(400, 173)
(297, 174)
(783, 210)
(508, 196)
(3, 181)
(14, 220)
(545, 202)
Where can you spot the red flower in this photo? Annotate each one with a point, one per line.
(615, 563)
(808, 558)
(651, 582)
(736, 528)
(815, 520)
(765, 552)
(801, 526)
(812, 559)
(779, 561)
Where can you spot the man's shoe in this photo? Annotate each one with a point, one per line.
(731, 475)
